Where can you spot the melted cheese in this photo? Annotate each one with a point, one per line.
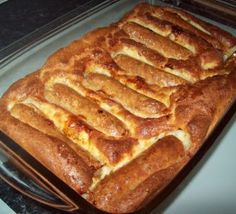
(183, 136)
(199, 27)
(114, 110)
(132, 52)
(183, 44)
(60, 119)
(53, 113)
(166, 33)
(11, 105)
(150, 26)
(68, 80)
(194, 24)
(143, 145)
(229, 52)
(178, 73)
(96, 68)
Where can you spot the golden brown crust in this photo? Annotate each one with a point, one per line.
(112, 189)
(130, 99)
(152, 76)
(152, 40)
(29, 116)
(52, 152)
(85, 108)
(146, 191)
(222, 36)
(120, 111)
(114, 150)
(24, 87)
(62, 56)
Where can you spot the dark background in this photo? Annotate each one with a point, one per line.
(21, 17)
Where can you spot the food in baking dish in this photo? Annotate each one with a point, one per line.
(117, 114)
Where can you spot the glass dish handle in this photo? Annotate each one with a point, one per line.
(22, 179)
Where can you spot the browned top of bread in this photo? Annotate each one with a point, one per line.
(119, 112)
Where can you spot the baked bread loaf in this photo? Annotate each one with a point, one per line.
(117, 114)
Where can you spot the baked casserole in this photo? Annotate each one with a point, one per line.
(118, 113)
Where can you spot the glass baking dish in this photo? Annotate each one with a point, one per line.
(27, 175)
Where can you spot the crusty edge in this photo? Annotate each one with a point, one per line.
(143, 192)
(203, 104)
(146, 191)
(63, 55)
(51, 152)
(128, 188)
(199, 123)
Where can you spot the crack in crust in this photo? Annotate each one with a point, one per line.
(118, 113)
